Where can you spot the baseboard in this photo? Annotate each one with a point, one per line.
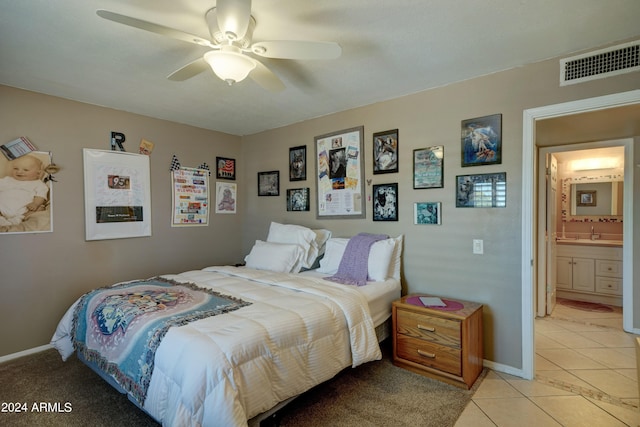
(25, 353)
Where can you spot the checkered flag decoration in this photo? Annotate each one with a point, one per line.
(205, 166)
(175, 164)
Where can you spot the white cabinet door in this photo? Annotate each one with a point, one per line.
(564, 272)
(584, 274)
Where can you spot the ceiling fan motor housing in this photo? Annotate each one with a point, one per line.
(219, 37)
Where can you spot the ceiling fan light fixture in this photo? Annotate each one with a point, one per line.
(229, 65)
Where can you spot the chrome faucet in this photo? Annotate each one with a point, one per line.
(594, 236)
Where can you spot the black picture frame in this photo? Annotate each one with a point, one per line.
(269, 183)
(428, 167)
(481, 140)
(225, 168)
(385, 151)
(385, 202)
(487, 190)
(298, 163)
(298, 199)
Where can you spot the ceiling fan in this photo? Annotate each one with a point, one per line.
(231, 27)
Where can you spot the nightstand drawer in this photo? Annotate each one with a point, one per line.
(434, 329)
(435, 356)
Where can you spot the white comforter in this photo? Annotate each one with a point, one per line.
(226, 369)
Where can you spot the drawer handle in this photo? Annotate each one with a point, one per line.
(425, 354)
(426, 328)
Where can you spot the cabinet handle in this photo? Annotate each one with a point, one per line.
(425, 354)
(426, 328)
(609, 268)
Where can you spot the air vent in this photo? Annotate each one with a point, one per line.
(620, 59)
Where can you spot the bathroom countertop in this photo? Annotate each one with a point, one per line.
(589, 242)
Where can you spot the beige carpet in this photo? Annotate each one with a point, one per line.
(374, 394)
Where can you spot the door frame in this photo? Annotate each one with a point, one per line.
(529, 165)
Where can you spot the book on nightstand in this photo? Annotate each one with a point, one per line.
(432, 302)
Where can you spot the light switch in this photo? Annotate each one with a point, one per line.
(478, 246)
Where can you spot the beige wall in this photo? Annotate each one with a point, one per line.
(438, 259)
(42, 274)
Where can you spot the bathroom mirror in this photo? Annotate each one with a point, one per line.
(592, 198)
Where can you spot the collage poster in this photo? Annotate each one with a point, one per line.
(339, 166)
(190, 197)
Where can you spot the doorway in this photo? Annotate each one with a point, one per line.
(562, 171)
(529, 224)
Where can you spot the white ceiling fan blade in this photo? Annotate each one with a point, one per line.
(265, 78)
(154, 28)
(233, 17)
(191, 69)
(292, 49)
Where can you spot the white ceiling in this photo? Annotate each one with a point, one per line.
(390, 49)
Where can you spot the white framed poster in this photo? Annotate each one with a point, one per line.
(117, 195)
(190, 205)
(340, 174)
(226, 197)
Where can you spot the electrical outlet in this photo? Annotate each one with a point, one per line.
(478, 246)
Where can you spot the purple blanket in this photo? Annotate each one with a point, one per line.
(353, 268)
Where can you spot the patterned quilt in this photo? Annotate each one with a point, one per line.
(120, 327)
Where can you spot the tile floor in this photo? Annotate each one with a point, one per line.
(585, 376)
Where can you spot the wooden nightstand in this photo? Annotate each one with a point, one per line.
(444, 344)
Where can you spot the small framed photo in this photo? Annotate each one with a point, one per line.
(488, 190)
(385, 151)
(225, 168)
(586, 198)
(269, 183)
(226, 196)
(298, 163)
(427, 213)
(482, 141)
(428, 167)
(385, 202)
(298, 199)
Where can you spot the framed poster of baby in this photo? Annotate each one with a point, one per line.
(26, 194)
(339, 162)
(117, 195)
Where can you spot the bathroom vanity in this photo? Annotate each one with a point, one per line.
(589, 270)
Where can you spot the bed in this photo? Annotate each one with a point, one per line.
(293, 330)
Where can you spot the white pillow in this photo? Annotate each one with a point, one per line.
(321, 239)
(296, 234)
(379, 259)
(332, 255)
(320, 242)
(379, 265)
(279, 257)
(396, 259)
